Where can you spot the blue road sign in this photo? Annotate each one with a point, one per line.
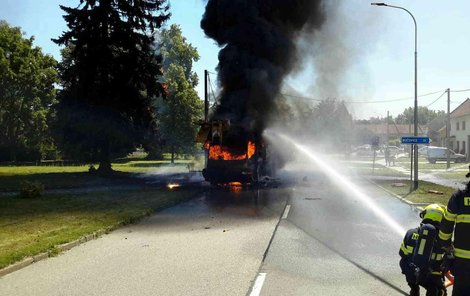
(415, 140)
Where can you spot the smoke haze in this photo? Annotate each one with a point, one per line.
(334, 57)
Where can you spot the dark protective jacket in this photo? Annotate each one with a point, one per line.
(456, 221)
(428, 249)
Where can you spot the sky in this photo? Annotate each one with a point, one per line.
(364, 54)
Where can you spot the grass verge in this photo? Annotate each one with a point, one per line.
(458, 176)
(32, 226)
(422, 195)
(378, 171)
(12, 177)
(425, 165)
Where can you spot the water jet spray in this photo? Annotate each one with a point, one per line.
(342, 181)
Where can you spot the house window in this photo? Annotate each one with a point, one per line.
(458, 146)
(463, 146)
(458, 125)
(463, 126)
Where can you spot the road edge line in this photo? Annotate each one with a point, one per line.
(248, 293)
(272, 236)
(286, 212)
(256, 290)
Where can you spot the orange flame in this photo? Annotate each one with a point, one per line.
(251, 149)
(235, 186)
(218, 152)
(172, 185)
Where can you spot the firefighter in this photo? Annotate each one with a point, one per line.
(421, 258)
(456, 223)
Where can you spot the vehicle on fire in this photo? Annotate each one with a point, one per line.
(233, 154)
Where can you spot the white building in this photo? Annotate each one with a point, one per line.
(460, 128)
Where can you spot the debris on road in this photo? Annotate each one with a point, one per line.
(435, 192)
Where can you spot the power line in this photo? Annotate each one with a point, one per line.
(461, 90)
(365, 102)
(437, 98)
(360, 102)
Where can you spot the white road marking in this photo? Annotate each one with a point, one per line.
(258, 284)
(286, 212)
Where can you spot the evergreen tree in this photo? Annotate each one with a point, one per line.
(110, 76)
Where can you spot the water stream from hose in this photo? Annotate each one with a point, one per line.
(341, 180)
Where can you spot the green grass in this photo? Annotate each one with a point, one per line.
(386, 172)
(151, 166)
(362, 164)
(33, 226)
(425, 165)
(379, 170)
(421, 195)
(51, 180)
(12, 177)
(458, 176)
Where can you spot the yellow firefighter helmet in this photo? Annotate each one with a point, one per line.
(433, 212)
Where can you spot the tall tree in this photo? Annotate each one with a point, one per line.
(425, 115)
(332, 124)
(110, 77)
(27, 92)
(182, 109)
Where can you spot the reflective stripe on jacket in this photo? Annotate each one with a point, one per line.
(456, 224)
(409, 243)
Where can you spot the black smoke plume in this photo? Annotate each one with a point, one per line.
(257, 38)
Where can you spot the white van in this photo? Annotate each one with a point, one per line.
(440, 154)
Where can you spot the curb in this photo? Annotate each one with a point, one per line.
(42, 256)
(17, 266)
(417, 207)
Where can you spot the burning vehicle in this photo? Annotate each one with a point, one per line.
(258, 41)
(233, 153)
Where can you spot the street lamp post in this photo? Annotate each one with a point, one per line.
(415, 147)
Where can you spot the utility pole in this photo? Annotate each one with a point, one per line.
(206, 96)
(388, 132)
(414, 147)
(206, 111)
(448, 128)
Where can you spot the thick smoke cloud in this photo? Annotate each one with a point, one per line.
(257, 38)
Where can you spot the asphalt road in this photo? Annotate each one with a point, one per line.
(329, 243)
(332, 244)
(212, 245)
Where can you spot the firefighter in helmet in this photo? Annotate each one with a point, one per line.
(421, 258)
(456, 223)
